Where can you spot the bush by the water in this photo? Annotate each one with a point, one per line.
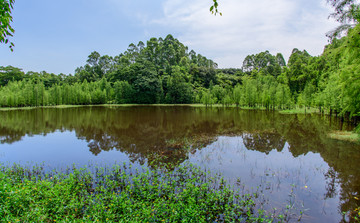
(120, 193)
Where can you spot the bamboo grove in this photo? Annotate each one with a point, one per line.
(165, 71)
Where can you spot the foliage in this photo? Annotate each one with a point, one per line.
(357, 215)
(179, 91)
(6, 30)
(214, 8)
(120, 193)
(10, 73)
(347, 12)
(341, 81)
(264, 62)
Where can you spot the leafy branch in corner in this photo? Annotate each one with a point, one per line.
(6, 30)
(347, 12)
(214, 8)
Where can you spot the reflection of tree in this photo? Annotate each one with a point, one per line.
(146, 137)
(264, 142)
(344, 160)
(331, 183)
(169, 134)
(8, 135)
(94, 148)
(140, 132)
(305, 133)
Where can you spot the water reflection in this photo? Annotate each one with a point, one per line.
(264, 142)
(149, 135)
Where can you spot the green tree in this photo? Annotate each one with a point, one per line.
(298, 73)
(124, 92)
(250, 92)
(308, 95)
(237, 93)
(10, 73)
(218, 93)
(178, 90)
(264, 62)
(147, 85)
(206, 98)
(227, 100)
(283, 96)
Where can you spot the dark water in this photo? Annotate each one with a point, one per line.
(288, 158)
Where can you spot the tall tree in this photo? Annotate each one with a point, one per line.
(10, 73)
(264, 62)
(298, 70)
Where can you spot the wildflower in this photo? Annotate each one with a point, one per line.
(306, 186)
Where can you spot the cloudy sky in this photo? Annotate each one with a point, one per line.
(57, 36)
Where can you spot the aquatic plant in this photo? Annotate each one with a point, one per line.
(122, 193)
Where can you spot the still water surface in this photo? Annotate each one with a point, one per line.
(288, 158)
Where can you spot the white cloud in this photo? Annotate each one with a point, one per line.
(247, 27)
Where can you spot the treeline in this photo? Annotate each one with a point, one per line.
(162, 71)
(263, 91)
(165, 71)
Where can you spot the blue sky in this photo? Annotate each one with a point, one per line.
(57, 36)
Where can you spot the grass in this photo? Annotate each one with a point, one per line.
(345, 136)
(296, 110)
(105, 105)
(33, 107)
(299, 110)
(185, 194)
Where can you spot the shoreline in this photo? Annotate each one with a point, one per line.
(285, 111)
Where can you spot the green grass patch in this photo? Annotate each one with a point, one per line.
(110, 105)
(49, 106)
(291, 111)
(345, 136)
(185, 194)
(299, 110)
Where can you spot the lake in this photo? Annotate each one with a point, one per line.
(288, 158)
